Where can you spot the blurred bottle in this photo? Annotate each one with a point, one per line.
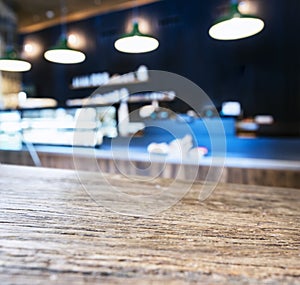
(123, 113)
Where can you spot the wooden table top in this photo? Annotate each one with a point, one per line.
(52, 232)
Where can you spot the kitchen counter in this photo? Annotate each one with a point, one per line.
(135, 160)
(53, 232)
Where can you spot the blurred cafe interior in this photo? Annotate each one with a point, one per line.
(149, 142)
(77, 80)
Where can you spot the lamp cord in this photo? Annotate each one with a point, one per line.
(135, 12)
(10, 36)
(63, 11)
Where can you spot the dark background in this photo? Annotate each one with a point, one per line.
(262, 72)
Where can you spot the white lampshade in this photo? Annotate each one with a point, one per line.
(10, 62)
(236, 26)
(136, 42)
(63, 54)
(14, 65)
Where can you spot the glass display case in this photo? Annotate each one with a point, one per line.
(57, 126)
(10, 130)
(83, 122)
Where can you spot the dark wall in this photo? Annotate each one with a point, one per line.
(262, 72)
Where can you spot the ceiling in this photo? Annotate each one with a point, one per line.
(34, 15)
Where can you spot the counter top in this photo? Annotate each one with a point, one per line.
(52, 232)
(140, 154)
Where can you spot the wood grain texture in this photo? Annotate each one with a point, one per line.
(52, 232)
(77, 10)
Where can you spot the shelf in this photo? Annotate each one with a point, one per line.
(139, 98)
(118, 85)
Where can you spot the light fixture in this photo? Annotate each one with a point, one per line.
(62, 53)
(236, 25)
(32, 48)
(11, 62)
(136, 42)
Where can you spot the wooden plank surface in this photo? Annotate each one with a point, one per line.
(52, 232)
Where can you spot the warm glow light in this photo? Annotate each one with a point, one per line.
(144, 25)
(77, 40)
(248, 7)
(28, 48)
(32, 49)
(14, 65)
(236, 28)
(136, 44)
(65, 56)
(72, 39)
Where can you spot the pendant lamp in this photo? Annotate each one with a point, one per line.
(62, 53)
(236, 25)
(136, 42)
(11, 62)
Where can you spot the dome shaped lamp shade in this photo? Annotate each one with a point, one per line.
(235, 25)
(11, 62)
(136, 42)
(62, 53)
